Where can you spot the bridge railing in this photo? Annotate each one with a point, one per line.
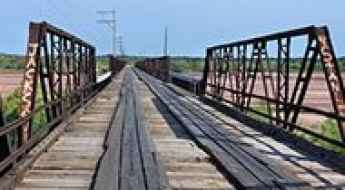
(266, 76)
(61, 62)
(157, 67)
(60, 77)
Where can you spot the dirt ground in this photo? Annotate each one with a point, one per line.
(9, 81)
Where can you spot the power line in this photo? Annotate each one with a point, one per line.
(111, 22)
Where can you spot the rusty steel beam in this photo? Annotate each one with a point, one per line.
(270, 37)
(157, 67)
(231, 73)
(30, 82)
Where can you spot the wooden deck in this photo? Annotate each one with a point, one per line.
(246, 154)
(70, 163)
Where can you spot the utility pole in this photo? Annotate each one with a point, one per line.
(120, 45)
(165, 51)
(111, 22)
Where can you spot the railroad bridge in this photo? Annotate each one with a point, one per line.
(140, 126)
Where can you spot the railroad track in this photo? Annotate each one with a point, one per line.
(245, 167)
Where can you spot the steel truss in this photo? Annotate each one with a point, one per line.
(231, 69)
(59, 62)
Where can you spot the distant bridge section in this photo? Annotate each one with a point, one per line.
(115, 65)
(158, 67)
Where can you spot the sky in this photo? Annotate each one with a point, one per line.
(193, 24)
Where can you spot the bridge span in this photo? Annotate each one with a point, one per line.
(134, 128)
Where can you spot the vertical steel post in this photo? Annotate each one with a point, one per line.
(203, 87)
(333, 77)
(29, 85)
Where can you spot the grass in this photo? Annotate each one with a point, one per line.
(328, 128)
(8, 61)
(261, 107)
(196, 64)
(102, 65)
(11, 107)
(179, 63)
(17, 62)
(185, 64)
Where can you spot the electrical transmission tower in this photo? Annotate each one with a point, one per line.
(111, 22)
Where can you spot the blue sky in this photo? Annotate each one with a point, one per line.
(193, 24)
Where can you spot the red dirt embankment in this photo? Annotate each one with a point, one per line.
(9, 81)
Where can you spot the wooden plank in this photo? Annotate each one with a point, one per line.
(128, 162)
(154, 175)
(131, 169)
(107, 177)
(239, 175)
(252, 156)
(272, 165)
(243, 157)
